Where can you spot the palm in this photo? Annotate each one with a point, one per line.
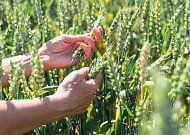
(57, 53)
(60, 55)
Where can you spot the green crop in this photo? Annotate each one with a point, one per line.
(144, 59)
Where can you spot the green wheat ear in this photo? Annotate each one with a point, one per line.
(15, 79)
(158, 28)
(146, 14)
(36, 78)
(96, 66)
(178, 110)
(39, 13)
(62, 16)
(172, 21)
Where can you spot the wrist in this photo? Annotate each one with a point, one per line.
(58, 107)
(16, 60)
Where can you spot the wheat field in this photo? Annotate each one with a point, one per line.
(143, 58)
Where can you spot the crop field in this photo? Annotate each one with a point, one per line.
(143, 58)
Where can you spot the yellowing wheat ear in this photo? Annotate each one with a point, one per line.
(143, 66)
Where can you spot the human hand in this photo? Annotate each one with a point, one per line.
(57, 53)
(75, 94)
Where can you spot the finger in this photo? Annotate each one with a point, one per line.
(90, 42)
(82, 73)
(98, 78)
(100, 29)
(86, 106)
(97, 35)
(87, 51)
(83, 110)
(92, 84)
(82, 106)
(73, 38)
(87, 100)
(84, 103)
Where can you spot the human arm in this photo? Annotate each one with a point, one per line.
(73, 96)
(23, 115)
(26, 58)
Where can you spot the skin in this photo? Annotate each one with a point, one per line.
(73, 96)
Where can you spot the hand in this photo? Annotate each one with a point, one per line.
(75, 94)
(57, 53)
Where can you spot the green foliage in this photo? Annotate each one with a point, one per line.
(140, 93)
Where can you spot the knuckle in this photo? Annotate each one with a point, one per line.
(79, 74)
(94, 85)
(79, 37)
(85, 37)
(65, 38)
(75, 72)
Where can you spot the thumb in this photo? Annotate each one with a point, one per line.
(83, 72)
(98, 78)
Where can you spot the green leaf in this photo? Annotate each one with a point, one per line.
(107, 129)
(109, 132)
(10, 47)
(89, 110)
(128, 110)
(107, 97)
(47, 89)
(109, 84)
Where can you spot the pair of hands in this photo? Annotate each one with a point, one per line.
(74, 92)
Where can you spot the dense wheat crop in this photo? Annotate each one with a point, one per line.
(143, 58)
